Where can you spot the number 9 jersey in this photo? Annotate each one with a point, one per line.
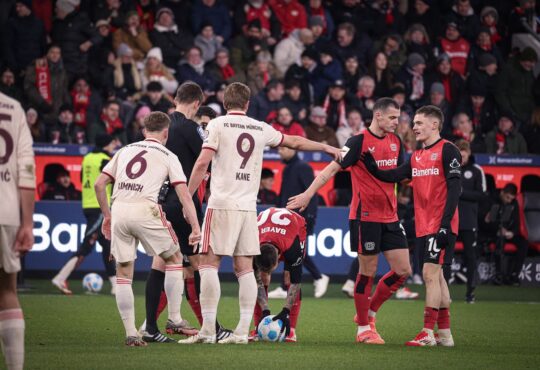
(238, 142)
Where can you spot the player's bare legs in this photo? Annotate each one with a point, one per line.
(362, 294)
(125, 302)
(11, 322)
(444, 335)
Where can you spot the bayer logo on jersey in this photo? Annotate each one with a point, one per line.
(270, 330)
(92, 283)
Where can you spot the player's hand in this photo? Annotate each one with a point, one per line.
(195, 237)
(369, 162)
(24, 240)
(299, 201)
(106, 228)
(284, 317)
(265, 313)
(442, 237)
(334, 152)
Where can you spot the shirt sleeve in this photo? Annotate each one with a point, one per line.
(293, 258)
(26, 166)
(351, 151)
(212, 140)
(451, 158)
(176, 173)
(111, 167)
(401, 155)
(272, 137)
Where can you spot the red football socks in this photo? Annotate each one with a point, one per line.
(430, 317)
(193, 299)
(387, 286)
(362, 293)
(443, 320)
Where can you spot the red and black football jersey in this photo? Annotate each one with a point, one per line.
(373, 200)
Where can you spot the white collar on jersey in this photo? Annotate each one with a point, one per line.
(236, 113)
(152, 139)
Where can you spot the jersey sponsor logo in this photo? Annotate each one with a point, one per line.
(393, 147)
(468, 175)
(369, 246)
(387, 162)
(345, 150)
(433, 171)
(371, 149)
(434, 156)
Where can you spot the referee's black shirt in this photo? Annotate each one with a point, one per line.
(185, 140)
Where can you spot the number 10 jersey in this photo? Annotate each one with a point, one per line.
(239, 143)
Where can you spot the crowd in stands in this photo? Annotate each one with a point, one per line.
(315, 68)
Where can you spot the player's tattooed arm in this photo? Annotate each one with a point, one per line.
(292, 294)
(262, 299)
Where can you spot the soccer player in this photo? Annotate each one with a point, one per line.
(435, 171)
(282, 237)
(17, 186)
(92, 165)
(138, 172)
(235, 146)
(373, 221)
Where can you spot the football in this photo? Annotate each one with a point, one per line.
(92, 282)
(270, 331)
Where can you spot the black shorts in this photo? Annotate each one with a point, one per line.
(173, 213)
(371, 238)
(434, 254)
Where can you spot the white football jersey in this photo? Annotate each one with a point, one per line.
(17, 166)
(139, 169)
(239, 143)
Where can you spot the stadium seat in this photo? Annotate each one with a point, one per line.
(49, 177)
(508, 248)
(459, 247)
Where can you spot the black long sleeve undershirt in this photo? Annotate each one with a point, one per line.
(394, 175)
(453, 186)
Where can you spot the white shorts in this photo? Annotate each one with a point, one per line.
(144, 222)
(230, 233)
(9, 261)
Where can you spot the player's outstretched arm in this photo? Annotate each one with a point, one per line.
(101, 194)
(262, 298)
(190, 213)
(301, 143)
(301, 201)
(199, 169)
(394, 175)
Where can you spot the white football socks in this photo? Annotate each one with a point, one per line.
(68, 268)
(174, 289)
(126, 306)
(12, 337)
(247, 296)
(209, 298)
(112, 280)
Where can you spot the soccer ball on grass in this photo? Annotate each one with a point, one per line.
(92, 283)
(270, 331)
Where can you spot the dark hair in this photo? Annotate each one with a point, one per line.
(268, 257)
(510, 188)
(347, 26)
(236, 96)
(354, 109)
(154, 86)
(272, 84)
(383, 104)
(267, 173)
(432, 111)
(108, 103)
(188, 93)
(293, 83)
(156, 122)
(205, 110)
(463, 145)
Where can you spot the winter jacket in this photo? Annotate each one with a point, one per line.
(100, 128)
(514, 143)
(186, 72)
(288, 51)
(260, 107)
(217, 15)
(458, 51)
(140, 44)
(322, 135)
(127, 81)
(255, 80)
(67, 133)
(291, 15)
(25, 41)
(324, 76)
(473, 184)
(172, 42)
(58, 192)
(514, 91)
(208, 47)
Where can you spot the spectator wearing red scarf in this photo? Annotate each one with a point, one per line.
(285, 124)
(315, 8)
(504, 139)
(290, 13)
(109, 123)
(86, 104)
(261, 72)
(456, 47)
(483, 46)
(489, 17)
(222, 71)
(258, 10)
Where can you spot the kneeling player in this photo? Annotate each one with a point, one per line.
(282, 237)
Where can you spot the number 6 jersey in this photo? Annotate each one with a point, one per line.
(239, 143)
(139, 169)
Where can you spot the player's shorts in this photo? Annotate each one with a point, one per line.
(182, 229)
(230, 233)
(371, 238)
(434, 254)
(144, 222)
(9, 261)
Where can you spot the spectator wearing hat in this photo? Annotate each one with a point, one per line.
(101, 58)
(222, 71)
(265, 104)
(482, 110)
(86, 103)
(45, 84)
(352, 42)
(335, 106)
(290, 14)
(155, 98)
(437, 98)
(411, 76)
(127, 80)
(304, 73)
(108, 124)
(294, 101)
(36, 126)
(328, 70)
(319, 16)
(214, 12)
(505, 139)
(261, 71)
(316, 26)
(454, 85)
(193, 69)
(258, 10)
(208, 42)
(463, 15)
(456, 47)
(134, 130)
(74, 34)
(317, 130)
(23, 28)
(181, 11)
(463, 129)
(63, 188)
(483, 46)
(65, 131)
(133, 35)
(285, 123)
(155, 71)
(417, 41)
(8, 85)
(246, 45)
(167, 36)
(381, 74)
(489, 18)
(395, 50)
(514, 86)
(484, 76)
(289, 50)
(427, 13)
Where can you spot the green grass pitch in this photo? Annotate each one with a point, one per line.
(500, 331)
